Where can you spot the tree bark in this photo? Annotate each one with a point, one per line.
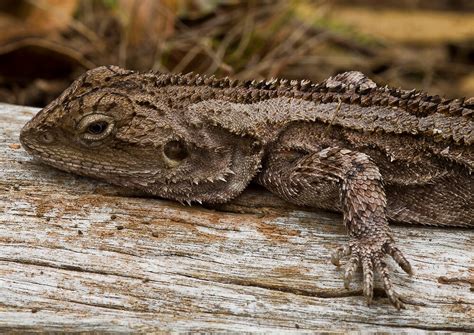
(80, 255)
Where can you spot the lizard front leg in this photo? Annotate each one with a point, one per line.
(349, 181)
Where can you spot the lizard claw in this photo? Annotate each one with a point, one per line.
(370, 257)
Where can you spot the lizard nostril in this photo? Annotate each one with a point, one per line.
(46, 137)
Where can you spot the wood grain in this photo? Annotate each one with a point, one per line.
(80, 255)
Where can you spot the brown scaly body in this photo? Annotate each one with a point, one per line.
(375, 154)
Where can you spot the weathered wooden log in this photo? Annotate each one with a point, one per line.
(80, 255)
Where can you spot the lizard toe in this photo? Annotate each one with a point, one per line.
(371, 257)
(339, 254)
(398, 256)
(383, 272)
(368, 277)
(351, 268)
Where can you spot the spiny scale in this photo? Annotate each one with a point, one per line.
(413, 101)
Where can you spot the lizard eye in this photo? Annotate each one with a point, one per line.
(95, 127)
(174, 152)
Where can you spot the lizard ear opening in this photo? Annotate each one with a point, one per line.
(174, 152)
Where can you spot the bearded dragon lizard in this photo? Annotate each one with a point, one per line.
(376, 154)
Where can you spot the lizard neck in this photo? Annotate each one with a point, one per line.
(262, 120)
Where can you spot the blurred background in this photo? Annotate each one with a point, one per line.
(424, 44)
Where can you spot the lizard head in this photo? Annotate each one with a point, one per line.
(120, 126)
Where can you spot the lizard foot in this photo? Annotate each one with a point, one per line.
(370, 255)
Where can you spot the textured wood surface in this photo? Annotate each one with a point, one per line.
(77, 254)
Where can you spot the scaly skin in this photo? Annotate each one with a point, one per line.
(375, 154)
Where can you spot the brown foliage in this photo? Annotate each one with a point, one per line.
(45, 44)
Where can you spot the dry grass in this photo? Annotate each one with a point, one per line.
(413, 26)
(249, 40)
